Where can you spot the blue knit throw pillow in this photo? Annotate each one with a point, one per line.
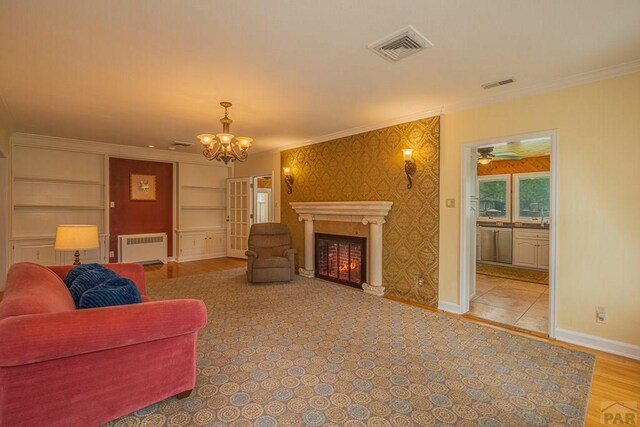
(89, 279)
(78, 270)
(118, 291)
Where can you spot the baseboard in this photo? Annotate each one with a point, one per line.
(591, 341)
(449, 307)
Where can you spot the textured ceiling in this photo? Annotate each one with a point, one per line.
(153, 71)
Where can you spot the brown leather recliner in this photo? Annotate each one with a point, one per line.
(270, 256)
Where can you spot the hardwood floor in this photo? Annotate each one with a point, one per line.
(615, 378)
(174, 269)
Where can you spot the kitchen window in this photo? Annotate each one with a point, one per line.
(531, 195)
(494, 192)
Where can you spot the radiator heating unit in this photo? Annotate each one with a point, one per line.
(144, 248)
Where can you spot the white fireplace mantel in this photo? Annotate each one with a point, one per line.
(366, 212)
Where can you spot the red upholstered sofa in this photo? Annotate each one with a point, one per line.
(65, 367)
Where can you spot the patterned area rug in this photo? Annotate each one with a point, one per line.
(313, 353)
(522, 274)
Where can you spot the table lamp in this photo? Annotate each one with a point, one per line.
(76, 238)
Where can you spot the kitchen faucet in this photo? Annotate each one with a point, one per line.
(541, 217)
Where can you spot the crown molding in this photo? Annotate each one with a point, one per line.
(563, 83)
(366, 128)
(112, 150)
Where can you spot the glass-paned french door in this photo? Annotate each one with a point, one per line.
(238, 216)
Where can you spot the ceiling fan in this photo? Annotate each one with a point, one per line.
(486, 155)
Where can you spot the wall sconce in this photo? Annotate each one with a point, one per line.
(409, 165)
(288, 179)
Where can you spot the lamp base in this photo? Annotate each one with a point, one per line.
(76, 261)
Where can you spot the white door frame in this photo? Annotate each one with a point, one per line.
(467, 244)
(254, 190)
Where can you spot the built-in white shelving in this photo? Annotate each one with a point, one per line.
(50, 187)
(202, 211)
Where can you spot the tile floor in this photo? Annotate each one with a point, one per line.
(511, 302)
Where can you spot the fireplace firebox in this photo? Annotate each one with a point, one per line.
(341, 259)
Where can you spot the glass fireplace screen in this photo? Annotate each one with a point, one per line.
(341, 259)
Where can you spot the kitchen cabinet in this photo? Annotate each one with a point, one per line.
(543, 254)
(531, 248)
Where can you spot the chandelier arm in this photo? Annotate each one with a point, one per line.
(221, 154)
(210, 154)
(240, 157)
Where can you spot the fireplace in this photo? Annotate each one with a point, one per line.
(366, 212)
(341, 259)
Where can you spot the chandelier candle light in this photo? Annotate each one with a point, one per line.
(223, 149)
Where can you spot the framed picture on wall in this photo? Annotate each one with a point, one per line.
(143, 187)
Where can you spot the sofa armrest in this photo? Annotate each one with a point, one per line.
(289, 252)
(131, 271)
(251, 254)
(39, 337)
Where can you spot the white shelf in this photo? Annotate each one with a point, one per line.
(204, 187)
(43, 237)
(210, 229)
(60, 207)
(205, 207)
(56, 180)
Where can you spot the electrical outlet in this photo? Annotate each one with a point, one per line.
(420, 281)
(601, 315)
(451, 203)
(112, 254)
(112, 204)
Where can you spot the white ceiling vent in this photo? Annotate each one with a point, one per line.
(496, 84)
(400, 44)
(177, 143)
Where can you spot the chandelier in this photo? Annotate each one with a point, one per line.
(223, 149)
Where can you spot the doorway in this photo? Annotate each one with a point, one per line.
(249, 201)
(262, 198)
(508, 236)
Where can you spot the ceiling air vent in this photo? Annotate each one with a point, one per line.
(496, 84)
(400, 44)
(177, 143)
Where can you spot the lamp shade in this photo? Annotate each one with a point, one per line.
(76, 237)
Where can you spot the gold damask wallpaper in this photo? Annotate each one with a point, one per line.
(370, 166)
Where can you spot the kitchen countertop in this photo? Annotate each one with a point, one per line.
(512, 225)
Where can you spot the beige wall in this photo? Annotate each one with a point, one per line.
(5, 133)
(598, 190)
(5, 130)
(370, 166)
(263, 163)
